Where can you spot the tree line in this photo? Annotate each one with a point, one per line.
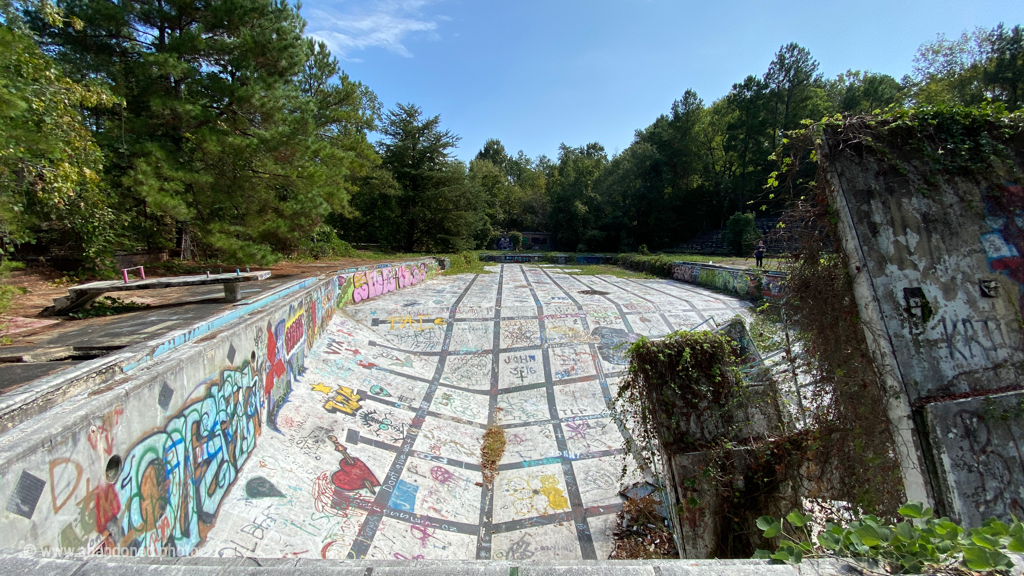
(221, 130)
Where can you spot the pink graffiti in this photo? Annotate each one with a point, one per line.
(275, 365)
(422, 532)
(372, 283)
(441, 475)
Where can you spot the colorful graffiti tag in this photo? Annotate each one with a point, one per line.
(1004, 244)
(173, 480)
(752, 284)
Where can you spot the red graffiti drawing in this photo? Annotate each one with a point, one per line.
(441, 475)
(294, 334)
(100, 440)
(275, 365)
(353, 473)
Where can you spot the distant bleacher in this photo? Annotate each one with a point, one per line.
(711, 242)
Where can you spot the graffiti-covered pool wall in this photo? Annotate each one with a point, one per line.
(141, 463)
(745, 283)
(939, 280)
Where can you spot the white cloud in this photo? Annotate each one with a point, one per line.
(377, 24)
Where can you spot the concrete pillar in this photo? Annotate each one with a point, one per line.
(233, 291)
(908, 443)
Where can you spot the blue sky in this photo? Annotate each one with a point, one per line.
(538, 73)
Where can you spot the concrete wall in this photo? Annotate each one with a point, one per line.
(513, 258)
(939, 281)
(746, 283)
(131, 460)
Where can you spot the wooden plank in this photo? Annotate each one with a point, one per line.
(169, 282)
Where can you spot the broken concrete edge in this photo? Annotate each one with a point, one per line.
(17, 563)
(746, 282)
(37, 397)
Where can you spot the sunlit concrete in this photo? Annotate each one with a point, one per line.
(378, 454)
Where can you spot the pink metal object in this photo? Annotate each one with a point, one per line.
(124, 272)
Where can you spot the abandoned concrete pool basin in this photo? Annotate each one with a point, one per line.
(342, 417)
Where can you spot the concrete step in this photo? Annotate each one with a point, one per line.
(19, 564)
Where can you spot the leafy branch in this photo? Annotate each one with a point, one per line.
(919, 542)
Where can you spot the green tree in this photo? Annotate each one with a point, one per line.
(439, 207)
(795, 89)
(574, 209)
(857, 92)
(235, 128)
(949, 71)
(513, 187)
(741, 234)
(1004, 71)
(50, 166)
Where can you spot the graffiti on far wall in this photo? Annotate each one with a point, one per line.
(1004, 242)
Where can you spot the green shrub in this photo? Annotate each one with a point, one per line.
(919, 543)
(653, 264)
(741, 234)
(465, 263)
(517, 241)
(492, 241)
(324, 243)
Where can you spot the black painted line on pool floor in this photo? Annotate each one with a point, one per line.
(558, 518)
(657, 307)
(609, 401)
(368, 527)
(728, 303)
(674, 296)
(514, 350)
(583, 535)
(483, 542)
(677, 285)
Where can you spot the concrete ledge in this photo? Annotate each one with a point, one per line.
(18, 564)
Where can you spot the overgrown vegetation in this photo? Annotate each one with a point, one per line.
(466, 263)
(741, 234)
(922, 148)
(685, 398)
(919, 543)
(107, 306)
(766, 328)
(491, 451)
(688, 374)
(7, 295)
(659, 265)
